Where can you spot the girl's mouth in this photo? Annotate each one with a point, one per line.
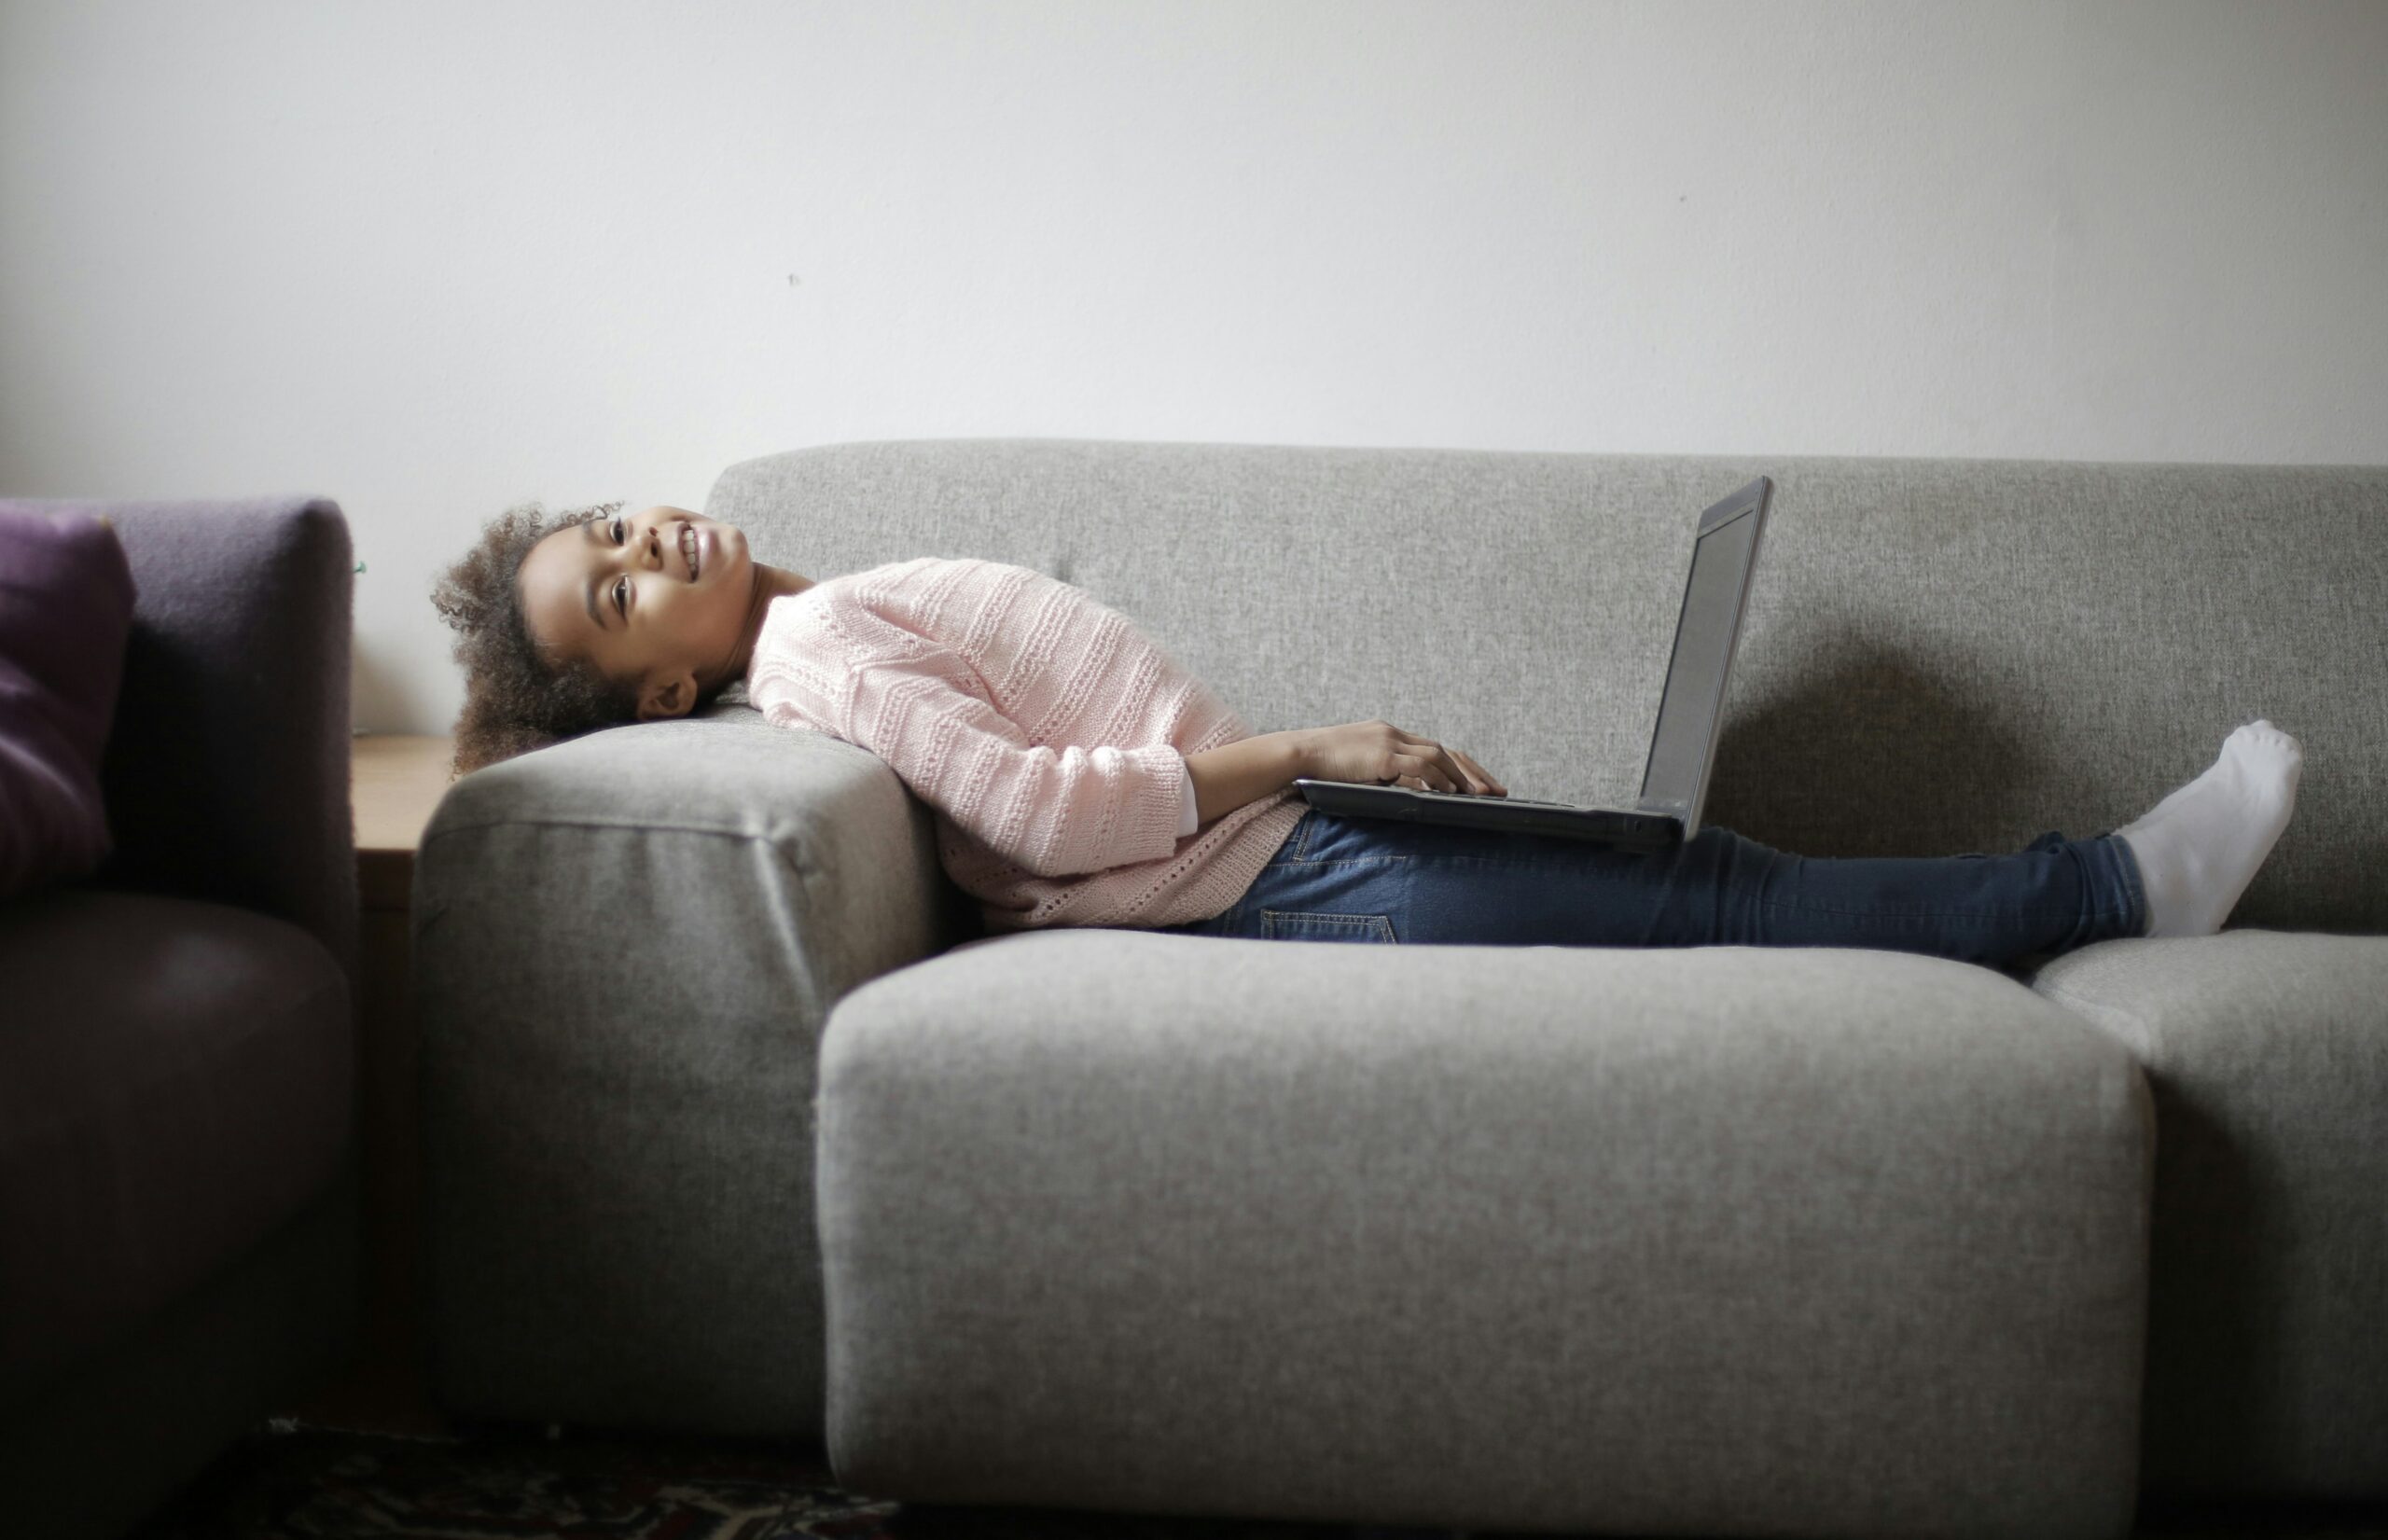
(692, 547)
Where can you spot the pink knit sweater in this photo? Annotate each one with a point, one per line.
(1046, 731)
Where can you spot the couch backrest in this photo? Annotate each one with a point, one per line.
(226, 773)
(1938, 656)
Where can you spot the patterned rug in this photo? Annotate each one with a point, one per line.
(515, 1481)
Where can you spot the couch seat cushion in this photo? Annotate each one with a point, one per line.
(175, 1080)
(2268, 1307)
(1705, 1240)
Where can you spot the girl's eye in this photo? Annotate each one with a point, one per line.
(621, 602)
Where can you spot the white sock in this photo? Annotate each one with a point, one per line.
(2199, 846)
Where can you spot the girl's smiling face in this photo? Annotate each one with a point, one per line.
(665, 597)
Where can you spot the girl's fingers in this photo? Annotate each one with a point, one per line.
(1482, 775)
(1471, 779)
(1457, 778)
(1440, 760)
(1457, 772)
(1414, 764)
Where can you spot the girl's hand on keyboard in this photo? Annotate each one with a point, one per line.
(1380, 754)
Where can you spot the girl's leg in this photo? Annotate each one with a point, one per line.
(1356, 879)
(2053, 896)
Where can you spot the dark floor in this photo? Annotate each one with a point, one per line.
(291, 1480)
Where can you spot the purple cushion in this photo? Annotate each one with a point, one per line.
(66, 613)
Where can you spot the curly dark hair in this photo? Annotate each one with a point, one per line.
(517, 696)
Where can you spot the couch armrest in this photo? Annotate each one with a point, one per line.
(625, 948)
(226, 775)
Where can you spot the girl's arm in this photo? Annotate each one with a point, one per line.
(1377, 753)
(1228, 776)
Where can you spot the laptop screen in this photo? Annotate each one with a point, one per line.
(1704, 635)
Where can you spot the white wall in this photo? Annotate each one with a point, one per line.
(434, 258)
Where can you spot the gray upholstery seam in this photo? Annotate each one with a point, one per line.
(2149, 1032)
(643, 825)
(807, 876)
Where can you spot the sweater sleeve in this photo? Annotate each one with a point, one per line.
(1052, 812)
(1191, 819)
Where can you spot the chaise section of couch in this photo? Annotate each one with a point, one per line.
(2268, 1310)
(634, 949)
(1733, 1240)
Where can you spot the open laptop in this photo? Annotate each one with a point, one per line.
(1682, 743)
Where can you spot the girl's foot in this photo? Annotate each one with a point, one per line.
(2199, 846)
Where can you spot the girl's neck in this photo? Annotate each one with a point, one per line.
(770, 583)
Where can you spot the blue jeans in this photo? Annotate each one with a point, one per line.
(1339, 878)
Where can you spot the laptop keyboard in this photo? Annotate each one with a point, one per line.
(1511, 801)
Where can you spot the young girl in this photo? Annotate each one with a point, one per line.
(1080, 777)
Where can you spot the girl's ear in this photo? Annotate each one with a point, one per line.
(671, 697)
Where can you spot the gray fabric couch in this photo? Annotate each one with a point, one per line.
(178, 1169)
(737, 1121)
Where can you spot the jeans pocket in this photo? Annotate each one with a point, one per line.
(1286, 926)
(1296, 843)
